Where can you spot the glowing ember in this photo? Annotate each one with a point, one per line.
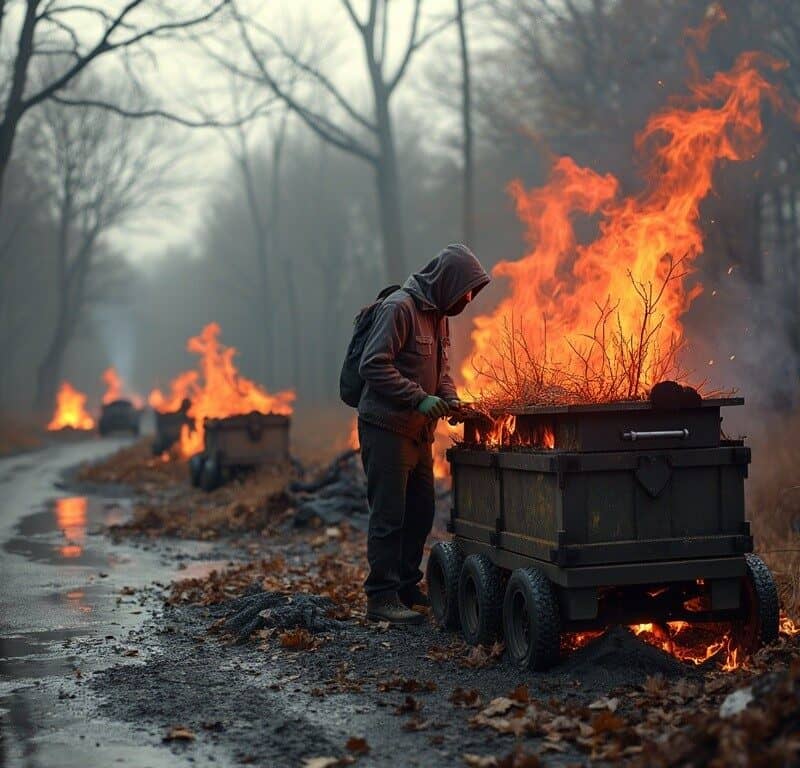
(601, 321)
(698, 642)
(221, 391)
(70, 410)
(181, 389)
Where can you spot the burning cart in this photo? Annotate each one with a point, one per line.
(597, 515)
(119, 416)
(236, 444)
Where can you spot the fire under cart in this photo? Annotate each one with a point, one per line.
(631, 514)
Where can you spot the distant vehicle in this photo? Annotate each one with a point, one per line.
(119, 416)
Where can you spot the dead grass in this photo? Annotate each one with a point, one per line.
(169, 506)
(774, 501)
(19, 434)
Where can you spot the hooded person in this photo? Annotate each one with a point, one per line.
(407, 388)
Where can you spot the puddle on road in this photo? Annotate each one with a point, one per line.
(58, 535)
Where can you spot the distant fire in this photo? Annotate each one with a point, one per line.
(219, 390)
(181, 389)
(601, 321)
(70, 410)
(115, 389)
(113, 384)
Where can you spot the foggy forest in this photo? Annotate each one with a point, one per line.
(218, 187)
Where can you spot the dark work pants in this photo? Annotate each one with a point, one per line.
(402, 501)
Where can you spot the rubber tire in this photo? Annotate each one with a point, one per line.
(442, 574)
(211, 479)
(760, 600)
(531, 620)
(480, 600)
(196, 464)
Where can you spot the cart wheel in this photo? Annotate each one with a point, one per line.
(480, 600)
(761, 608)
(531, 620)
(196, 463)
(442, 573)
(211, 479)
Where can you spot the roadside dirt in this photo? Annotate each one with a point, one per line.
(356, 693)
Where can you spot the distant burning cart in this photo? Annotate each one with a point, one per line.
(119, 416)
(239, 443)
(630, 514)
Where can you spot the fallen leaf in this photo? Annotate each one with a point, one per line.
(408, 706)
(480, 761)
(498, 706)
(468, 698)
(357, 745)
(607, 722)
(415, 724)
(179, 733)
(321, 762)
(299, 639)
(605, 703)
(520, 694)
(406, 685)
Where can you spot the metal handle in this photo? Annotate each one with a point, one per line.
(664, 434)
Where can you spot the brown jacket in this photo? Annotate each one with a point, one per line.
(406, 356)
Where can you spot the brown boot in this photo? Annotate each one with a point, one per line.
(389, 608)
(414, 596)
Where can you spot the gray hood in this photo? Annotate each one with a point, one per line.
(446, 278)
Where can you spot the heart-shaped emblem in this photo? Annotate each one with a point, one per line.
(653, 473)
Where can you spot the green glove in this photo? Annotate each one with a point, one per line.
(433, 407)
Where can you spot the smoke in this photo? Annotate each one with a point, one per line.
(739, 338)
(116, 328)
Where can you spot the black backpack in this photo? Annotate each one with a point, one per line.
(351, 385)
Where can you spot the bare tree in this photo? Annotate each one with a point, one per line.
(54, 30)
(104, 170)
(367, 136)
(468, 192)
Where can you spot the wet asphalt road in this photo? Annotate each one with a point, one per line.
(64, 615)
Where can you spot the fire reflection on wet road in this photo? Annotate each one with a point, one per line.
(65, 599)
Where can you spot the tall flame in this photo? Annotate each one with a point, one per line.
(601, 321)
(113, 383)
(70, 410)
(116, 390)
(181, 388)
(221, 391)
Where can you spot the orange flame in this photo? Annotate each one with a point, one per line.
(444, 437)
(70, 410)
(115, 389)
(601, 321)
(353, 442)
(181, 388)
(113, 385)
(221, 391)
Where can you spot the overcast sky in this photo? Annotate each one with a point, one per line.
(183, 77)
